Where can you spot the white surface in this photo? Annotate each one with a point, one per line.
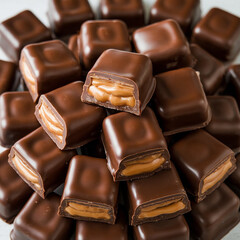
(8, 8)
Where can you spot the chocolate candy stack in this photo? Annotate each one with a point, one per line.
(141, 126)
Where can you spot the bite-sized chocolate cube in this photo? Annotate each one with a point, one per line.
(39, 220)
(94, 149)
(89, 192)
(165, 44)
(203, 163)
(73, 45)
(120, 80)
(180, 102)
(219, 33)
(39, 162)
(17, 117)
(68, 121)
(48, 65)
(19, 31)
(135, 146)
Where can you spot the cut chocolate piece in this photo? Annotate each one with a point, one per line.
(39, 220)
(73, 45)
(165, 44)
(135, 146)
(14, 191)
(48, 65)
(180, 101)
(203, 162)
(19, 31)
(158, 197)
(16, 117)
(215, 216)
(170, 229)
(120, 80)
(62, 114)
(94, 149)
(39, 162)
(89, 192)
(219, 33)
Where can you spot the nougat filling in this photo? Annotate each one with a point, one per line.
(118, 94)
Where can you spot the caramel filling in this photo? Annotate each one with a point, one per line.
(143, 165)
(51, 122)
(76, 209)
(161, 208)
(114, 92)
(216, 176)
(26, 172)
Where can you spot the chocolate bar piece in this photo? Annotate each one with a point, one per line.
(135, 146)
(19, 31)
(158, 197)
(180, 102)
(215, 216)
(14, 191)
(219, 33)
(170, 229)
(48, 65)
(94, 149)
(89, 192)
(62, 114)
(97, 36)
(39, 220)
(203, 162)
(39, 162)
(120, 80)
(73, 45)
(17, 117)
(165, 44)
(211, 69)
(66, 16)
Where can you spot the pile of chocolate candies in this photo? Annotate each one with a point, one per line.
(138, 124)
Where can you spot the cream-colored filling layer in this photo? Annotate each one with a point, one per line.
(216, 176)
(143, 165)
(114, 92)
(76, 209)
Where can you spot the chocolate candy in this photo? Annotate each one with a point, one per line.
(158, 197)
(19, 31)
(215, 216)
(203, 162)
(14, 191)
(97, 36)
(62, 114)
(219, 33)
(165, 44)
(66, 16)
(48, 65)
(94, 149)
(170, 229)
(120, 80)
(39, 162)
(16, 117)
(73, 45)
(180, 101)
(225, 123)
(211, 69)
(39, 220)
(89, 192)
(135, 146)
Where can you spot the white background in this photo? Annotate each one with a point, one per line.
(8, 8)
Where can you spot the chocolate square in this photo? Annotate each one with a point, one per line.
(73, 45)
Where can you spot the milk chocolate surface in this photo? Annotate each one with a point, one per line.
(73, 45)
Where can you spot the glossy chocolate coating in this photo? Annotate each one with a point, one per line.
(165, 44)
(89, 182)
(175, 90)
(170, 229)
(40, 153)
(215, 216)
(39, 220)
(73, 45)
(94, 149)
(196, 156)
(16, 117)
(14, 191)
(218, 33)
(19, 31)
(128, 137)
